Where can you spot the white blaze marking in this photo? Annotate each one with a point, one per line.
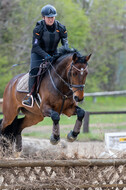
(82, 71)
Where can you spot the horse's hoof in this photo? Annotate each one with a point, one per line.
(70, 137)
(54, 140)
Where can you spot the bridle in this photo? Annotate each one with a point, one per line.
(80, 86)
(68, 84)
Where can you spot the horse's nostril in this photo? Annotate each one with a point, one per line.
(77, 99)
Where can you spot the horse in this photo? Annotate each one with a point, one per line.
(60, 90)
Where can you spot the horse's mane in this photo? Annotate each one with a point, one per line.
(64, 52)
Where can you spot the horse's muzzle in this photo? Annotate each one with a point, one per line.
(77, 99)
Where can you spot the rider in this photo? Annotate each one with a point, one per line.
(46, 36)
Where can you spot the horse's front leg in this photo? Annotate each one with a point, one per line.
(55, 137)
(72, 135)
(48, 112)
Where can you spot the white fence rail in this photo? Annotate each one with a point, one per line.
(108, 93)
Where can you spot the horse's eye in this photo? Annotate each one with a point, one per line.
(74, 74)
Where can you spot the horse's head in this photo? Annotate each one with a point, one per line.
(77, 75)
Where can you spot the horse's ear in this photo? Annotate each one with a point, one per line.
(88, 57)
(74, 57)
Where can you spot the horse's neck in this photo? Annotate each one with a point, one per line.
(61, 70)
(63, 67)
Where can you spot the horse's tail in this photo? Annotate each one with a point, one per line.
(10, 130)
(7, 135)
(13, 129)
(11, 134)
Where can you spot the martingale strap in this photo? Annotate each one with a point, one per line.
(64, 97)
(70, 86)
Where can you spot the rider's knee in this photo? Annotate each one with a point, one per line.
(55, 117)
(80, 114)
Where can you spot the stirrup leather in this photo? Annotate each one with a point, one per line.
(28, 95)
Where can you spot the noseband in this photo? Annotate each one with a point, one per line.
(81, 86)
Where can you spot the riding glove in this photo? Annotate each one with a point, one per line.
(48, 58)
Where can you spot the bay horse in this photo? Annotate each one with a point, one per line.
(60, 89)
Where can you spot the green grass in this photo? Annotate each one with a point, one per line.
(111, 118)
(64, 120)
(105, 104)
(81, 137)
(102, 104)
(96, 133)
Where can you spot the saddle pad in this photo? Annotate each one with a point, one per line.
(22, 85)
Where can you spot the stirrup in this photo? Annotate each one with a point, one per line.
(28, 95)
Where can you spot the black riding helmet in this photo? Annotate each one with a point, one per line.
(48, 11)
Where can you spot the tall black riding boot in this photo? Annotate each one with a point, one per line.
(30, 101)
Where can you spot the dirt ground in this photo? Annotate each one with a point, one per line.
(42, 148)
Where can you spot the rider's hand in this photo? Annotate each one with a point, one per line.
(48, 58)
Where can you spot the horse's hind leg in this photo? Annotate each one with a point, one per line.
(9, 123)
(0, 125)
(13, 131)
(27, 121)
(8, 134)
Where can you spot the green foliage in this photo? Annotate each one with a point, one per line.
(106, 41)
(69, 14)
(5, 74)
(76, 22)
(96, 28)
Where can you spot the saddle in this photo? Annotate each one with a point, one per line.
(23, 85)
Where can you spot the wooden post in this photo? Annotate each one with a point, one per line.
(94, 99)
(86, 123)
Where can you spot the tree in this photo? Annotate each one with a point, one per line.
(73, 17)
(19, 20)
(106, 42)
